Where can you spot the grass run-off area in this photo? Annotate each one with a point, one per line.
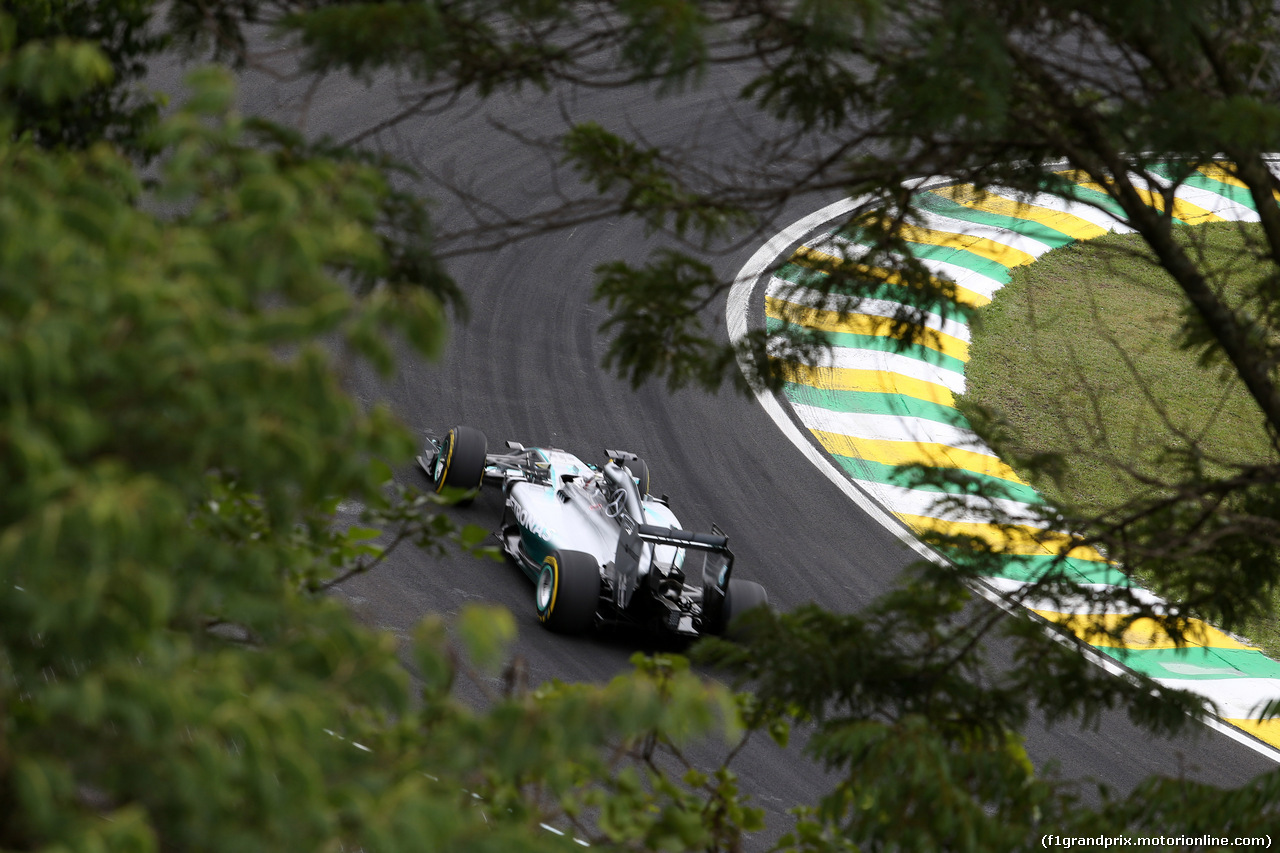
(1079, 354)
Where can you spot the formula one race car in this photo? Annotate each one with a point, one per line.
(599, 547)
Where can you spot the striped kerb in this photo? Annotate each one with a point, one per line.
(876, 402)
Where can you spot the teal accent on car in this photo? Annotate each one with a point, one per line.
(537, 548)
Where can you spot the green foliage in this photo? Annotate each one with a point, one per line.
(161, 455)
(403, 226)
(921, 733)
(659, 330)
(176, 442)
(663, 39)
(94, 51)
(464, 43)
(487, 633)
(647, 187)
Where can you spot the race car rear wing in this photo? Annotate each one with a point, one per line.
(717, 564)
(716, 567)
(684, 538)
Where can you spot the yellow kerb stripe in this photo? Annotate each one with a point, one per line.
(859, 324)
(1069, 224)
(1182, 209)
(913, 452)
(1100, 629)
(814, 259)
(1223, 175)
(1267, 731)
(875, 381)
(1011, 539)
(1006, 256)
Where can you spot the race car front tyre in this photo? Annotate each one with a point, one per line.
(740, 597)
(460, 462)
(567, 592)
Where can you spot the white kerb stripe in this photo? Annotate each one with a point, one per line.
(851, 358)
(890, 428)
(979, 283)
(1236, 698)
(1014, 588)
(1075, 605)
(1216, 204)
(1080, 210)
(965, 228)
(808, 297)
(973, 509)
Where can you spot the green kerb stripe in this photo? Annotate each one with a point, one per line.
(890, 475)
(1239, 195)
(882, 343)
(1062, 187)
(1201, 181)
(961, 258)
(805, 277)
(1032, 567)
(942, 206)
(950, 254)
(872, 403)
(1196, 663)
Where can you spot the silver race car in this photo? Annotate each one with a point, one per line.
(598, 546)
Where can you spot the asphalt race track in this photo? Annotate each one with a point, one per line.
(527, 368)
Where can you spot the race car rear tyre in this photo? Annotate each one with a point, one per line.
(460, 463)
(640, 470)
(567, 592)
(740, 597)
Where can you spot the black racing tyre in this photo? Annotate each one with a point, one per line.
(740, 597)
(460, 463)
(567, 592)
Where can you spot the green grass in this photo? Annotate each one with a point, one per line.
(1079, 355)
